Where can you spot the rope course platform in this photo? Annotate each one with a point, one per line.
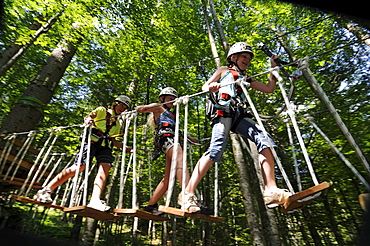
(300, 199)
(86, 211)
(182, 213)
(29, 200)
(139, 213)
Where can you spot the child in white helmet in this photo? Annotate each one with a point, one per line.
(230, 114)
(104, 124)
(164, 121)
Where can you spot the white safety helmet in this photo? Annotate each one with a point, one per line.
(124, 99)
(239, 47)
(168, 91)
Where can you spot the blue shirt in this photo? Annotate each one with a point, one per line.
(166, 117)
(228, 89)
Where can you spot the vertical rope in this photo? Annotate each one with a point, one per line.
(174, 156)
(216, 190)
(134, 166)
(22, 152)
(51, 159)
(46, 181)
(296, 169)
(291, 114)
(254, 110)
(35, 164)
(87, 166)
(78, 165)
(185, 148)
(35, 176)
(123, 159)
(6, 151)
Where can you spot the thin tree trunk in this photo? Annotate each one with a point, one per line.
(354, 28)
(250, 210)
(267, 216)
(88, 233)
(218, 26)
(210, 35)
(14, 51)
(75, 231)
(28, 112)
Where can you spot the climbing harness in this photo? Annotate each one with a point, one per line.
(236, 107)
(104, 136)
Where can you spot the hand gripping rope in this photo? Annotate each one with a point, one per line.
(174, 153)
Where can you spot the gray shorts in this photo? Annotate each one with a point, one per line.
(246, 127)
(167, 143)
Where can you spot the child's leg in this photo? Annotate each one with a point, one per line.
(266, 161)
(162, 187)
(199, 171)
(63, 176)
(100, 181)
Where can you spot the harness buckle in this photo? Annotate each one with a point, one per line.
(225, 96)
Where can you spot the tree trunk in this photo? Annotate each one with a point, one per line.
(28, 112)
(210, 36)
(75, 231)
(218, 26)
(357, 30)
(14, 51)
(88, 233)
(250, 209)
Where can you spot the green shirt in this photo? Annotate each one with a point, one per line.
(101, 122)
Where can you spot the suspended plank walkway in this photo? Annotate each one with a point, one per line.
(86, 211)
(139, 213)
(182, 213)
(17, 182)
(300, 199)
(29, 200)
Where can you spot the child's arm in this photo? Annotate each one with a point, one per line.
(212, 85)
(270, 86)
(120, 145)
(154, 107)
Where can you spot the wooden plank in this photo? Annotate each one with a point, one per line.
(30, 149)
(25, 165)
(15, 179)
(182, 213)
(18, 182)
(300, 199)
(86, 211)
(140, 214)
(29, 200)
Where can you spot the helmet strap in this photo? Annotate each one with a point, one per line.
(238, 68)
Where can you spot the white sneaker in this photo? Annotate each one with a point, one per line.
(44, 195)
(276, 198)
(98, 205)
(190, 205)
